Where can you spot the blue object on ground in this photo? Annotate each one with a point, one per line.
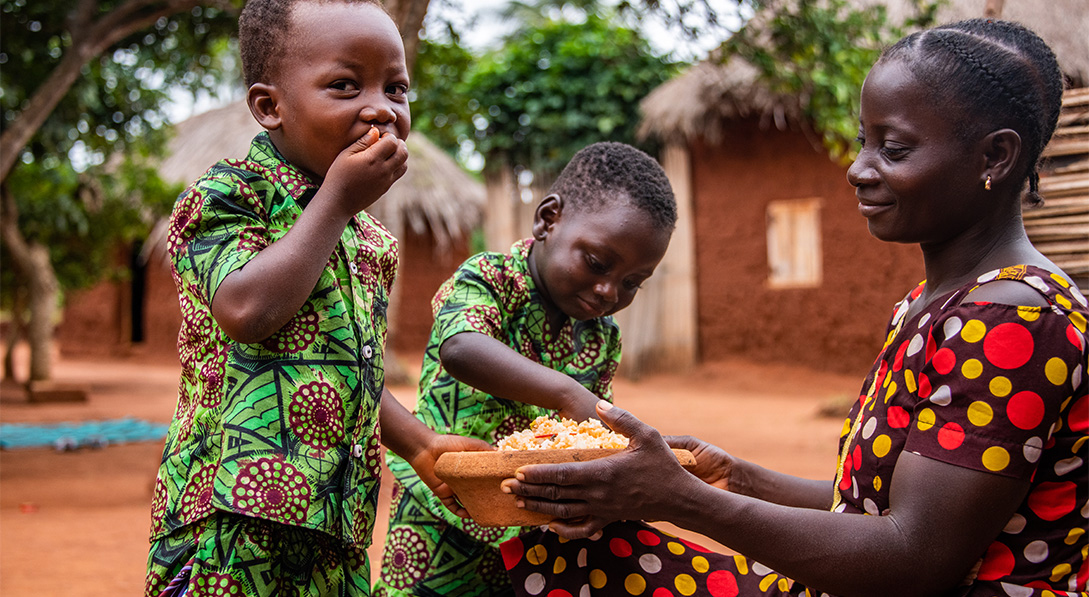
(70, 436)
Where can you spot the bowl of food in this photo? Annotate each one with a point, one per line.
(476, 477)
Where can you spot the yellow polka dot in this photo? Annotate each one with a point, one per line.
(559, 566)
(699, 564)
(597, 578)
(881, 445)
(996, 458)
(1078, 320)
(1055, 369)
(1073, 536)
(1062, 300)
(877, 483)
(1047, 593)
(971, 368)
(1029, 313)
(675, 547)
(562, 539)
(767, 581)
(537, 555)
(742, 564)
(1000, 386)
(1077, 444)
(889, 392)
(909, 380)
(980, 413)
(926, 419)
(1060, 572)
(686, 585)
(846, 427)
(1061, 281)
(635, 584)
(784, 584)
(973, 331)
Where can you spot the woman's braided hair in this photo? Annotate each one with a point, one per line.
(993, 74)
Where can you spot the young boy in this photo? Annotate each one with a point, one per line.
(522, 335)
(270, 474)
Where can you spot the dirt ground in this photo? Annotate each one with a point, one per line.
(77, 522)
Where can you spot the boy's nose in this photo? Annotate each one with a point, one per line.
(607, 291)
(377, 113)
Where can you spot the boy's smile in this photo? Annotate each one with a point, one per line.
(343, 73)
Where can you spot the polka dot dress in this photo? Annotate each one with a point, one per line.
(996, 388)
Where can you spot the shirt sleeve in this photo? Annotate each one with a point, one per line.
(474, 299)
(992, 384)
(218, 226)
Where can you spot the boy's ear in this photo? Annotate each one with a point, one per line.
(262, 100)
(1002, 152)
(547, 215)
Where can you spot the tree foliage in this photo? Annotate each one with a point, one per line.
(820, 51)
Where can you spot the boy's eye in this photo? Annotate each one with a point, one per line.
(633, 285)
(343, 85)
(397, 89)
(596, 266)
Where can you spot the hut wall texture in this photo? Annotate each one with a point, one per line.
(837, 326)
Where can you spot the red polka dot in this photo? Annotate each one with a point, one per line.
(512, 551)
(1051, 501)
(695, 546)
(661, 592)
(620, 547)
(1008, 345)
(944, 361)
(997, 562)
(848, 466)
(721, 583)
(1074, 336)
(648, 538)
(1078, 419)
(897, 417)
(898, 362)
(951, 436)
(1025, 409)
(930, 346)
(917, 291)
(559, 593)
(857, 453)
(924, 386)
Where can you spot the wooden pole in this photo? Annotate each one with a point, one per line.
(993, 10)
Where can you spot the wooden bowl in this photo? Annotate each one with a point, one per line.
(476, 477)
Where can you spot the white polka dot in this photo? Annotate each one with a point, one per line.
(1037, 283)
(584, 591)
(581, 559)
(1016, 591)
(1063, 467)
(1077, 374)
(870, 507)
(1085, 510)
(854, 487)
(1036, 551)
(841, 507)
(535, 583)
(760, 569)
(1078, 296)
(1015, 525)
(923, 320)
(650, 563)
(596, 536)
(987, 277)
(915, 345)
(1033, 448)
(953, 326)
(942, 396)
(869, 427)
(900, 311)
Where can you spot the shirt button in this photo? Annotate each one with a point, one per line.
(354, 267)
(368, 352)
(357, 450)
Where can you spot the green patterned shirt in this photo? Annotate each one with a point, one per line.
(285, 429)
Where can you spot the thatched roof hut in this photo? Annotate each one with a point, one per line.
(710, 93)
(435, 194)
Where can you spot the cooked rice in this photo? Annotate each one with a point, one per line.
(546, 433)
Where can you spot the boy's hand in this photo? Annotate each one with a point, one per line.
(424, 465)
(365, 170)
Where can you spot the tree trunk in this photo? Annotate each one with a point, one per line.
(409, 17)
(31, 261)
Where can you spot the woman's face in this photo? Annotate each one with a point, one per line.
(915, 180)
(590, 262)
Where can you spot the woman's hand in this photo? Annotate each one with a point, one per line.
(638, 483)
(713, 465)
(424, 465)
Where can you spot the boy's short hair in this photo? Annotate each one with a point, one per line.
(603, 172)
(264, 34)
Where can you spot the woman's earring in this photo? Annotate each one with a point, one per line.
(987, 183)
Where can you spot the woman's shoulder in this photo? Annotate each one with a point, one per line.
(1025, 286)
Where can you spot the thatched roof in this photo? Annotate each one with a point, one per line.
(700, 100)
(435, 194)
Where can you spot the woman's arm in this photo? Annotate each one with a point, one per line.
(940, 520)
(491, 366)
